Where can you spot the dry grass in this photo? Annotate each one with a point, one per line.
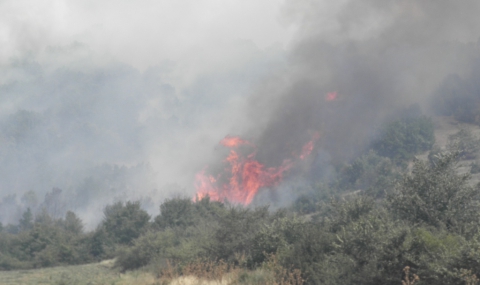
(221, 273)
(89, 274)
(195, 273)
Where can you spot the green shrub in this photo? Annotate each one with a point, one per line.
(46, 243)
(435, 252)
(125, 222)
(274, 239)
(235, 233)
(183, 212)
(370, 172)
(436, 195)
(400, 140)
(145, 249)
(465, 143)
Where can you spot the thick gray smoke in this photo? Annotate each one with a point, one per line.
(81, 135)
(101, 103)
(379, 56)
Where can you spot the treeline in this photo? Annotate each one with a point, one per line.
(429, 221)
(364, 227)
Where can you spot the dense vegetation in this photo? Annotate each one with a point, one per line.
(364, 227)
(401, 139)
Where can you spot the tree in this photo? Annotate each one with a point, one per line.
(177, 212)
(436, 195)
(401, 139)
(125, 222)
(465, 142)
(72, 223)
(54, 203)
(236, 232)
(26, 222)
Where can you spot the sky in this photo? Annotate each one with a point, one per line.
(142, 33)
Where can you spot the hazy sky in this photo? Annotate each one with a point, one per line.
(141, 33)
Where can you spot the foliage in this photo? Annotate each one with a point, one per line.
(436, 195)
(370, 172)
(46, 243)
(235, 233)
(26, 222)
(275, 238)
(312, 200)
(72, 223)
(465, 143)
(400, 140)
(125, 222)
(181, 233)
(148, 247)
(183, 212)
(426, 226)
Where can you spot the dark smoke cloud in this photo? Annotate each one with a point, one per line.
(380, 56)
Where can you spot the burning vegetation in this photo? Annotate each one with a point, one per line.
(366, 207)
(244, 175)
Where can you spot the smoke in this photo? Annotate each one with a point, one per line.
(112, 101)
(379, 56)
(103, 101)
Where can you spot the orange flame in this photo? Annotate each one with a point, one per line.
(308, 148)
(246, 174)
(331, 96)
(230, 141)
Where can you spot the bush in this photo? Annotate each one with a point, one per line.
(370, 172)
(183, 212)
(274, 239)
(435, 195)
(125, 222)
(400, 140)
(465, 143)
(46, 243)
(177, 212)
(235, 233)
(145, 249)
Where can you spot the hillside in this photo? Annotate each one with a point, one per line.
(362, 228)
(448, 126)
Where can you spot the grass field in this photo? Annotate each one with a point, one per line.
(94, 274)
(91, 274)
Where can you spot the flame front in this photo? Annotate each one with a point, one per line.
(246, 175)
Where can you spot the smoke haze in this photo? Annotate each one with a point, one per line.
(379, 56)
(121, 100)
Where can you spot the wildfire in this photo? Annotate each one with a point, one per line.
(331, 96)
(307, 149)
(230, 141)
(244, 175)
